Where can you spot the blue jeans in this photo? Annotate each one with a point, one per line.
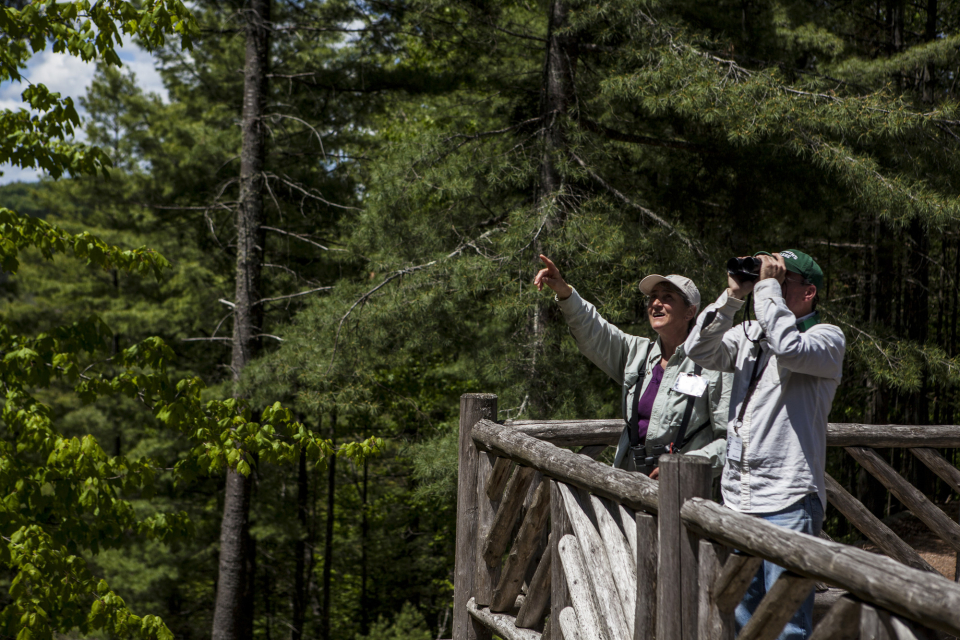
(805, 516)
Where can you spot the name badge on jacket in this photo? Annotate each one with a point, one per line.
(734, 447)
(690, 384)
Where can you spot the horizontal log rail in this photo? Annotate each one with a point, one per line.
(630, 489)
(568, 433)
(892, 435)
(926, 598)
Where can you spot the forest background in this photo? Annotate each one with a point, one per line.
(339, 209)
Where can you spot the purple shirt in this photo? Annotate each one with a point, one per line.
(645, 401)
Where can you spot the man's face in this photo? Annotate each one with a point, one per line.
(798, 296)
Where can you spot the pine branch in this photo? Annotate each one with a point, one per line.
(737, 71)
(647, 212)
(619, 136)
(292, 295)
(298, 237)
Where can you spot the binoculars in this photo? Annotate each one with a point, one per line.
(744, 269)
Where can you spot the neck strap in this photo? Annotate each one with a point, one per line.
(808, 322)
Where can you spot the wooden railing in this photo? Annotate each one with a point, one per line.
(552, 544)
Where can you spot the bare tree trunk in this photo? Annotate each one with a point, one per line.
(300, 551)
(233, 615)
(556, 97)
(364, 531)
(328, 541)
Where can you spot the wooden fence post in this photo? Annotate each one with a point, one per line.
(473, 407)
(681, 478)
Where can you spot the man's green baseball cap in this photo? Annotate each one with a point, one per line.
(799, 262)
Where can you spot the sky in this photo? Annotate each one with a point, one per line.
(71, 77)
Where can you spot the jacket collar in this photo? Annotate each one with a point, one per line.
(656, 352)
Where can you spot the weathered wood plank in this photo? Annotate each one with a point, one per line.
(948, 473)
(892, 435)
(581, 592)
(648, 546)
(570, 433)
(473, 407)
(622, 563)
(628, 518)
(599, 570)
(488, 575)
(500, 623)
(842, 621)
(711, 622)
(538, 595)
(498, 539)
(499, 478)
(777, 607)
(569, 624)
(936, 463)
(632, 489)
(824, 600)
(882, 625)
(593, 451)
(696, 476)
(734, 580)
(522, 553)
(559, 527)
(910, 496)
(871, 526)
(918, 595)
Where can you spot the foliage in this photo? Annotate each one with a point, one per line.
(63, 498)
(408, 625)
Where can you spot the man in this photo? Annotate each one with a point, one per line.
(786, 365)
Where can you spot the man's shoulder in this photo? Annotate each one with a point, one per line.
(828, 329)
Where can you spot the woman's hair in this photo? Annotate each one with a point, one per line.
(683, 296)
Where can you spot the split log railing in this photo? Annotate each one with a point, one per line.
(552, 544)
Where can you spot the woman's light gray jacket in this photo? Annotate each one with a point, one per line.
(621, 357)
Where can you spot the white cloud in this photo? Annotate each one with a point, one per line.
(69, 76)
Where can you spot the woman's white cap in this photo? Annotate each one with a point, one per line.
(680, 282)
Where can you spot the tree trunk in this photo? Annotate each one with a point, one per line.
(233, 614)
(328, 541)
(928, 78)
(300, 551)
(556, 97)
(364, 531)
(229, 617)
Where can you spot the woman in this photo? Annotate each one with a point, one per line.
(666, 407)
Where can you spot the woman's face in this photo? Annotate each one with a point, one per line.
(667, 311)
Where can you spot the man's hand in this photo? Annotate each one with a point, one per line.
(655, 474)
(773, 267)
(738, 289)
(550, 276)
